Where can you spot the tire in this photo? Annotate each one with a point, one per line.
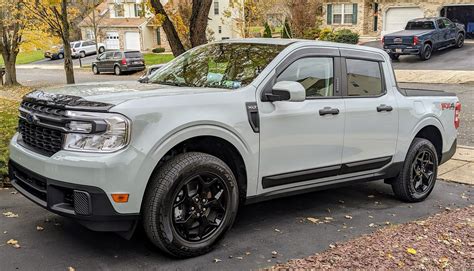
(406, 185)
(101, 50)
(95, 70)
(426, 53)
(117, 70)
(60, 56)
(394, 56)
(460, 41)
(162, 217)
(82, 54)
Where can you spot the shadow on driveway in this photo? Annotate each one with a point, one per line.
(278, 225)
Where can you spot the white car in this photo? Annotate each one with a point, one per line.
(84, 48)
(227, 123)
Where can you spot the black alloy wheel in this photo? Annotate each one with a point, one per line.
(422, 172)
(200, 207)
(460, 41)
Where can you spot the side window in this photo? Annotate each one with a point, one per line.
(363, 78)
(102, 56)
(440, 23)
(118, 55)
(448, 23)
(109, 55)
(316, 74)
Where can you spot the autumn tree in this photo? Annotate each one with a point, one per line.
(93, 19)
(55, 16)
(12, 23)
(197, 24)
(305, 16)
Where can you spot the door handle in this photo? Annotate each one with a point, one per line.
(328, 111)
(384, 107)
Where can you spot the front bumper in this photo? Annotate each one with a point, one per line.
(88, 205)
(402, 49)
(130, 68)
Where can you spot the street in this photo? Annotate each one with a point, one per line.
(279, 225)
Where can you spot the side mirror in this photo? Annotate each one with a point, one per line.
(287, 91)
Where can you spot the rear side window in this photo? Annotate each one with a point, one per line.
(118, 55)
(314, 73)
(133, 55)
(363, 78)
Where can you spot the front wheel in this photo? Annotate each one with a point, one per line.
(418, 175)
(60, 55)
(95, 70)
(190, 204)
(426, 53)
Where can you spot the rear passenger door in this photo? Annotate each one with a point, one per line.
(371, 122)
(442, 34)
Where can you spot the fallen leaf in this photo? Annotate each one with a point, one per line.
(328, 218)
(387, 222)
(247, 253)
(217, 260)
(341, 201)
(39, 228)
(348, 216)
(277, 230)
(371, 196)
(411, 251)
(371, 216)
(5, 232)
(312, 220)
(332, 246)
(372, 225)
(70, 268)
(10, 215)
(13, 192)
(274, 253)
(12, 242)
(239, 258)
(16, 245)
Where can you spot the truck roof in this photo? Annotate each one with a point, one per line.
(301, 42)
(425, 19)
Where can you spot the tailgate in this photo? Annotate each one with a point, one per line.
(396, 40)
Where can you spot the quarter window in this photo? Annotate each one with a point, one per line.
(363, 78)
(314, 73)
(342, 14)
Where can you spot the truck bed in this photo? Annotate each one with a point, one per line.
(413, 92)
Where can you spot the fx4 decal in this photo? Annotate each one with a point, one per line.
(447, 106)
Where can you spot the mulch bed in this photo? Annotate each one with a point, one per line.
(443, 241)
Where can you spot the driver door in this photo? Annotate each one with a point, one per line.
(300, 142)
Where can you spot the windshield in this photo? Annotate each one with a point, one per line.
(221, 65)
(420, 25)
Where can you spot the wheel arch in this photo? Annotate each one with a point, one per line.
(215, 141)
(433, 134)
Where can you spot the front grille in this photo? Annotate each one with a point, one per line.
(43, 133)
(42, 139)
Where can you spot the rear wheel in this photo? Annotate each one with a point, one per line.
(190, 204)
(82, 54)
(60, 55)
(460, 41)
(394, 56)
(418, 175)
(117, 70)
(426, 53)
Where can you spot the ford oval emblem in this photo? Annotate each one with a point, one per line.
(31, 118)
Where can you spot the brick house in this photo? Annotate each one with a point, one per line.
(127, 25)
(378, 17)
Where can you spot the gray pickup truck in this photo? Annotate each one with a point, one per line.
(227, 123)
(422, 36)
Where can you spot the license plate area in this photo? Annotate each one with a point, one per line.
(398, 50)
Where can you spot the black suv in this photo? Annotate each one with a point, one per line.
(119, 62)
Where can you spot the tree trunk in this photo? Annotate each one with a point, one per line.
(68, 64)
(198, 22)
(173, 38)
(10, 68)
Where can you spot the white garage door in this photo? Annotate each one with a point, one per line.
(132, 41)
(396, 18)
(112, 41)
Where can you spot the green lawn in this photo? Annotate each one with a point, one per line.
(8, 123)
(26, 57)
(152, 58)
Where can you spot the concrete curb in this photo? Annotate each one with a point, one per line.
(435, 76)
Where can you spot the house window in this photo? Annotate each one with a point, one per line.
(158, 36)
(216, 7)
(343, 14)
(119, 10)
(90, 34)
(220, 29)
(138, 10)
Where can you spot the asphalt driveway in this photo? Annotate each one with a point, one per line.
(448, 59)
(279, 225)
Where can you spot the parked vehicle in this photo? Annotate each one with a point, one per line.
(423, 36)
(84, 48)
(228, 123)
(57, 51)
(149, 71)
(119, 62)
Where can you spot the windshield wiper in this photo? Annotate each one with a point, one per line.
(176, 84)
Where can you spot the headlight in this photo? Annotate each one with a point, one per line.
(96, 132)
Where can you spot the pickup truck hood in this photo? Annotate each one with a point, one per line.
(110, 93)
(409, 33)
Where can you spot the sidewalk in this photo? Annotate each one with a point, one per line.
(460, 168)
